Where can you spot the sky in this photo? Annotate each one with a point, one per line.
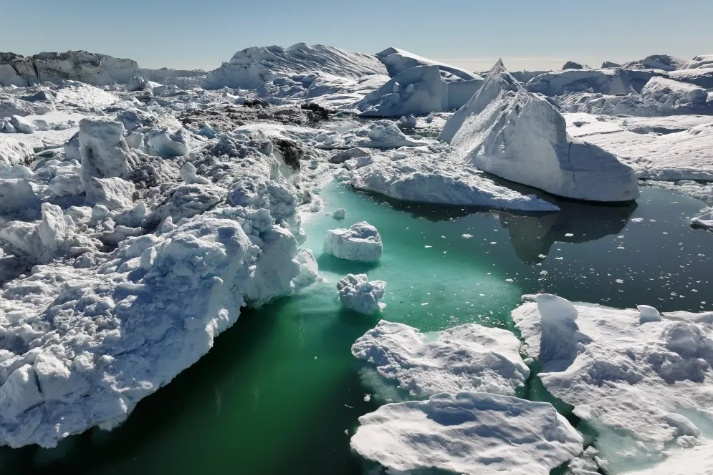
(527, 34)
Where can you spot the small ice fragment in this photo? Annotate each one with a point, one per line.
(467, 236)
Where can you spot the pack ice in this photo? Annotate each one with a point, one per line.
(514, 134)
(464, 358)
(469, 433)
(129, 278)
(640, 378)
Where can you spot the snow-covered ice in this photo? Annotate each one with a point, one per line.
(361, 242)
(642, 382)
(423, 179)
(464, 358)
(514, 134)
(358, 293)
(468, 433)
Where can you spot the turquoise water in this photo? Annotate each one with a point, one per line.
(280, 393)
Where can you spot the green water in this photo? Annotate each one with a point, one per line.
(280, 393)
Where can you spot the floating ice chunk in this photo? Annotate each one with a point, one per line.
(361, 242)
(644, 388)
(519, 136)
(339, 214)
(699, 62)
(357, 293)
(420, 178)
(705, 220)
(468, 433)
(464, 358)
(309, 270)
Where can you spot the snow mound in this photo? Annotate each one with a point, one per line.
(464, 358)
(699, 62)
(421, 178)
(357, 293)
(418, 90)
(662, 62)
(361, 242)
(642, 383)
(398, 60)
(253, 67)
(519, 136)
(468, 433)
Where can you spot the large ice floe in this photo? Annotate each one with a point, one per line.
(432, 176)
(129, 289)
(468, 433)
(361, 242)
(641, 379)
(464, 358)
(512, 133)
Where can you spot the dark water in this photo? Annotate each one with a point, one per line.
(280, 393)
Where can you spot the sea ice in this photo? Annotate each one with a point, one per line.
(357, 293)
(464, 358)
(361, 242)
(642, 383)
(468, 433)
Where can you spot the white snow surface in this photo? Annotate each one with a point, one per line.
(658, 148)
(519, 136)
(468, 433)
(358, 293)
(361, 242)
(468, 358)
(705, 220)
(644, 384)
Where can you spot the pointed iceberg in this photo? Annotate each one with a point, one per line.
(514, 134)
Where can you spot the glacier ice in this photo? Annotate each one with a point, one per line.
(642, 380)
(468, 433)
(360, 242)
(358, 293)
(514, 134)
(463, 358)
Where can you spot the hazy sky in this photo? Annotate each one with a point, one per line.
(527, 34)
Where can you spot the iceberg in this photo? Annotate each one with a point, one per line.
(640, 379)
(357, 293)
(361, 242)
(468, 433)
(509, 132)
(463, 358)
